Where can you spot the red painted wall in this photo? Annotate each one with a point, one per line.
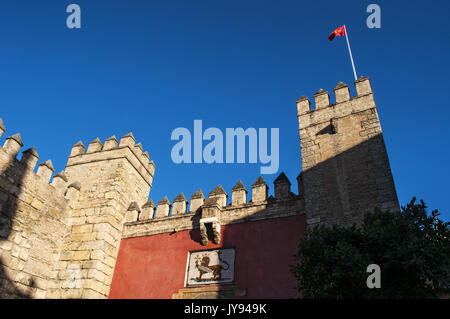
(154, 266)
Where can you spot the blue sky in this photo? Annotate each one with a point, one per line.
(152, 66)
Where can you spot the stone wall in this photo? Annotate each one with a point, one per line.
(32, 222)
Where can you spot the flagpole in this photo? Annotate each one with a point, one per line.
(350, 51)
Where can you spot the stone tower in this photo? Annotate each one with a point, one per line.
(345, 166)
(113, 180)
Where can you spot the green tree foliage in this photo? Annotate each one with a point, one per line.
(411, 247)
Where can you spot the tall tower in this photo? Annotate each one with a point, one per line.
(110, 179)
(345, 166)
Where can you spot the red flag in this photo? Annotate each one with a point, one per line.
(338, 32)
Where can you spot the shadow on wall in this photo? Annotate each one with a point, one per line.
(11, 176)
(340, 189)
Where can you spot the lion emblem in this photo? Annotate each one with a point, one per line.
(205, 268)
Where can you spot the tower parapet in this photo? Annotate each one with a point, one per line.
(110, 152)
(324, 111)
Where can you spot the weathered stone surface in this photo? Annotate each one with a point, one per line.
(238, 194)
(220, 194)
(259, 191)
(163, 208)
(282, 186)
(197, 200)
(147, 210)
(179, 205)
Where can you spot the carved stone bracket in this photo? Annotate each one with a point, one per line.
(211, 210)
(214, 221)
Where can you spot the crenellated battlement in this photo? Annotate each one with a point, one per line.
(24, 169)
(112, 149)
(34, 217)
(324, 111)
(179, 215)
(180, 205)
